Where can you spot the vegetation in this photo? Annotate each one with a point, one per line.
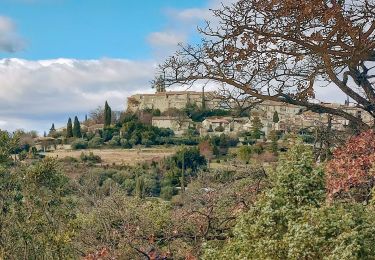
(107, 115)
(77, 128)
(69, 128)
(178, 207)
(305, 195)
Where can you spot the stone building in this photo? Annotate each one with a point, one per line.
(172, 99)
(228, 125)
(179, 125)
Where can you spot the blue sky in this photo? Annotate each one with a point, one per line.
(90, 29)
(61, 58)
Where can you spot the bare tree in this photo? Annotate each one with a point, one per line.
(97, 115)
(236, 100)
(283, 50)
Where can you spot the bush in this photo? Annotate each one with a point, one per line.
(115, 141)
(69, 159)
(79, 144)
(96, 142)
(244, 153)
(258, 148)
(220, 128)
(91, 157)
(125, 144)
(167, 192)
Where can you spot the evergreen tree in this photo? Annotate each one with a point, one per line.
(107, 115)
(275, 118)
(69, 128)
(273, 137)
(140, 187)
(256, 127)
(77, 128)
(52, 130)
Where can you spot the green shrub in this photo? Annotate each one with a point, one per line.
(91, 157)
(115, 141)
(79, 144)
(167, 192)
(125, 143)
(220, 128)
(96, 142)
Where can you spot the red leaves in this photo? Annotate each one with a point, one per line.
(353, 165)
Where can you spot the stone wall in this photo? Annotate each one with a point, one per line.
(166, 100)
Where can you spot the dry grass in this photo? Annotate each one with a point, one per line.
(119, 156)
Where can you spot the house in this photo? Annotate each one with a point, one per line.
(179, 125)
(227, 125)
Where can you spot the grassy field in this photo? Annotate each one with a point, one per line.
(119, 156)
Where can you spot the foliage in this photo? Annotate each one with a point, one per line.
(244, 153)
(79, 144)
(262, 233)
(96, 142)
(275, 117)
(77, 128)
(198, 114)
(107, 115)
(91, 157)
(353, 167)
(36, 213)
(69, 128)
(274, 138)
(8, 144)
(281, 51)
(256, 127)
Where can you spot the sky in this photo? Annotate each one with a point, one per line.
(61, 58)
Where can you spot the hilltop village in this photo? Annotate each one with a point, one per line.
(185, 117)
(272, 115)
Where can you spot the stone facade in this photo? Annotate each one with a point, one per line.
(291, 117)
(227, 125)
(178, 125)
(173, 99)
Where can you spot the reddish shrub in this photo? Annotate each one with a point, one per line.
(352, 165)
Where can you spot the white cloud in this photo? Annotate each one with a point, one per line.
(41, 92)
(166, 39)
(10, 41)
(191, 14)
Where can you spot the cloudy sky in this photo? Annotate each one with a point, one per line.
(61, 58)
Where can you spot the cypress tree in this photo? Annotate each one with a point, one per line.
(275, 118)
(52, 130)
(257, 127)
(107, 115)
(77, 128)
(140, 188)
(69, 128)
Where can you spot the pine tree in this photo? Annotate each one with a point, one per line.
(77, 128)
(69, 128)
(275, 118)
(107, 115)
